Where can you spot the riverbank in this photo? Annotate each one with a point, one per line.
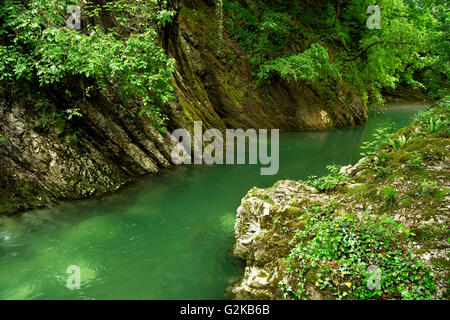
(165, 236)
(322, 238)
(75, 139)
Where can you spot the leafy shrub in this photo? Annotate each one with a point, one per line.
(72, 113)
(435, 125)
(36, 45)
(416, 161)
(412, 50)
(328, 182)
(380, 137)
(383, 171)
(333, 255)
(309, 65)
(49, 118)
(431, 122)
(398, 143)
(243, 25)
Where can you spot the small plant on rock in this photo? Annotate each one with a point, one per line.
(398, 143)
(429, 188)
(390, 196)
(416, 161)
(328, 182)
(378, 138)
(335, 257)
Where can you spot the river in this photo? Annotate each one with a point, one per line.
(167, 236)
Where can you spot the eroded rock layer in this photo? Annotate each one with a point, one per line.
(43, 161)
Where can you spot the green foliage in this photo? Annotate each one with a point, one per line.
(390, 56)
(334, 251)
(398, 142)
(24, 189)
(264, 35)
(73, 112)
(36, 45)
(435, 125)
(50, 118)
(410, 49)
(389, 195)
(261, 37)
(436, 77)
(334, 254)
(429, 188)
(432, 122)
(380, 137)
(309, 65)
(416, 161)
(328, 182)
(383, 171)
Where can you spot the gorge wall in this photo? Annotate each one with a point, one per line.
(111, 145)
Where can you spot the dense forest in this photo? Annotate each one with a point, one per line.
(91, 90)
(310, 42)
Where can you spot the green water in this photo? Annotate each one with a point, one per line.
(168, 236)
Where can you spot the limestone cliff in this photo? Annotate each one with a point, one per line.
(110, 144)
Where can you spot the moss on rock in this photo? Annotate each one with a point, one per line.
(392, 206)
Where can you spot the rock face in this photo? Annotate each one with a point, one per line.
(265, 231)
(227, 90)
(411, 195)
(112, 146)
(266, 225)
(42, 160)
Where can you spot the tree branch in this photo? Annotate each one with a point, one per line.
(376, 43)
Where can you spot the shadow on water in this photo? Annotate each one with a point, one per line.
(167, 236)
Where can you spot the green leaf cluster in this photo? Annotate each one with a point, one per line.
(35, 45)
(334, 254)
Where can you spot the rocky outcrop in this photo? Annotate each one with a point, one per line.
(107, 147)
(405, 187)
(265, 231)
